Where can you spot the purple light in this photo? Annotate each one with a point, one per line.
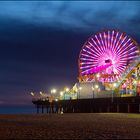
(107, 52)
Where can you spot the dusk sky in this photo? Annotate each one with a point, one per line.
(40, 41)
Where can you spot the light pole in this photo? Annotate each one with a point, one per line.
(113, 87)
(96, 88)
(93, 92)
(61, 94)
(66, 90)
(41, 95)
(80, 88)
(32, 94)
(98, 75)
(53, 92)
(76, 93)
(135, 86)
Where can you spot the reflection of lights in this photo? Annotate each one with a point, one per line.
(80, 88)
(61, 93)
(32, 93)
(56, 100)
(96, 86)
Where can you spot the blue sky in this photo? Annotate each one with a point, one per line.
(72, 15)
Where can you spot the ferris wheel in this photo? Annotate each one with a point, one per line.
(108, 53)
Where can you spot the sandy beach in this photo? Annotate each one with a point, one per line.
(70, 126)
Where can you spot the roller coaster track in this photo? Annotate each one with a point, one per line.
(129, 71)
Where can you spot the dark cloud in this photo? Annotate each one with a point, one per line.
(36, 58)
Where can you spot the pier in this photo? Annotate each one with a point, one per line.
(96, 105)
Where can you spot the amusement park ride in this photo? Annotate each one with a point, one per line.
(109, 62)
(109, 66)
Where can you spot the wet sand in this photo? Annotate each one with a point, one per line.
(70, 126)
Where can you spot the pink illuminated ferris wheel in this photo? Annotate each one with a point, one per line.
(109, 53)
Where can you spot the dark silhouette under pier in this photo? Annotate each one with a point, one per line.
(96, 105)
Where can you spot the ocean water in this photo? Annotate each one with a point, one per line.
(17, 110)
